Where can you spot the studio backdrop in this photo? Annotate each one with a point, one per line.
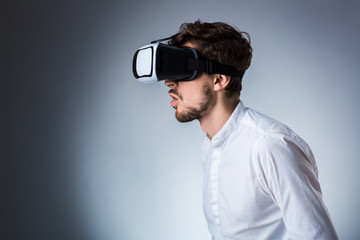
(91, 153)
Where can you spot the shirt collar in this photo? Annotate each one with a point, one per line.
(230, 125)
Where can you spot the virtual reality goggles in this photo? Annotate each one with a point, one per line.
(158, 61)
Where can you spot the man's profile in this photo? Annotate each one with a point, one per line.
(260, 178)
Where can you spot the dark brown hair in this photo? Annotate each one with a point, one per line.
(220, 42)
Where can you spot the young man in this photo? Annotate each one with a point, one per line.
(260, 178)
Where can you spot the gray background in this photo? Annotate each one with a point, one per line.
(90, 153)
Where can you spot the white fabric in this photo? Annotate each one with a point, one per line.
(260, 182)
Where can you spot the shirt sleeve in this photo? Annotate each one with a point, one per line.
(287, 173)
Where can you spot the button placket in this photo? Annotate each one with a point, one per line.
(214, 182)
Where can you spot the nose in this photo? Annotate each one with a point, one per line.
(171, 83)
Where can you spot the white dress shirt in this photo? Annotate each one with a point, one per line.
(260, 182)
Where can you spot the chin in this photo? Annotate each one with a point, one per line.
(184, 117)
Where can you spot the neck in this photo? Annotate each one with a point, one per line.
(213, 121)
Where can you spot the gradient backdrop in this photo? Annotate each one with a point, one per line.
(90, 153)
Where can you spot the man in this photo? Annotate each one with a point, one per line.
(260, 178)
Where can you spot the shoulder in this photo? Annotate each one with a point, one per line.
(275, 142)
(271, 133)
(283, 153)
(264, 124)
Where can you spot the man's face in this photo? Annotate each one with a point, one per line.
(192, 99)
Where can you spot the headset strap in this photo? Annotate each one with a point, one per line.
(163, 39)
(212, 67)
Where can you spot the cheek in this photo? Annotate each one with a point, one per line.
(192, 94)
(192, 97)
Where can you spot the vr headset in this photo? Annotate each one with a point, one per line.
(158, 61)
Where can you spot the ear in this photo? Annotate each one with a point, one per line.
(220, 81)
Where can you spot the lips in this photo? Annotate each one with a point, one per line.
(173, 103)
(175, 99)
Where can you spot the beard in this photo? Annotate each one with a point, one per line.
(191, 113)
